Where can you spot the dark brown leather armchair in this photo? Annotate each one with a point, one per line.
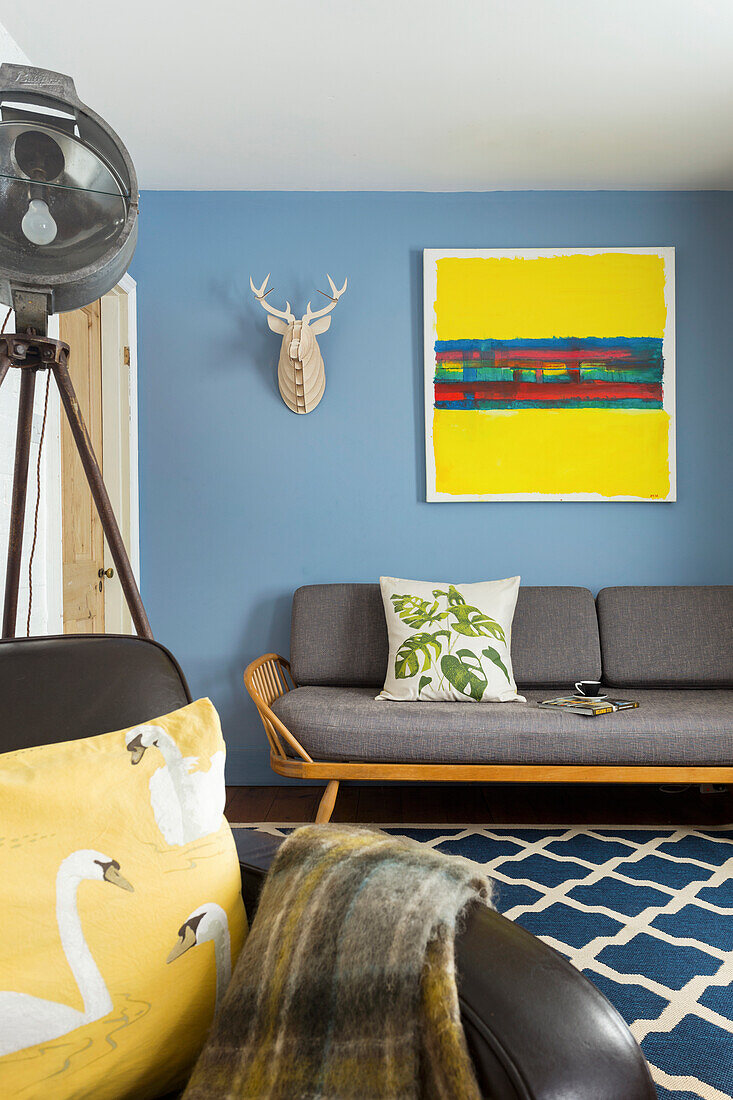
(536, 1028)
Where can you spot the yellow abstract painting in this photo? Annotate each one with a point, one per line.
(549, 374)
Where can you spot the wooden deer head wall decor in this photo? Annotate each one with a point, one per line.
(301, 377)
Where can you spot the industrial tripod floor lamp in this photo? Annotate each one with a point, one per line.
(68, 227)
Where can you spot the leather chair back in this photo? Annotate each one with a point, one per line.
(78, 685)
(535, 1027)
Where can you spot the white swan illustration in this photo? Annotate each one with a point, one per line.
(26, 1020)
(187, 804)
(208, 922)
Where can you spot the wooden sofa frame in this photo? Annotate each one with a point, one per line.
(269, 677)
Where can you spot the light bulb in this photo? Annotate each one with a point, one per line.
(38, 225)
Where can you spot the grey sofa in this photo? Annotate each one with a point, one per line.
(669, 648)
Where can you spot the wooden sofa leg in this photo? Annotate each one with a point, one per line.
(327, 803)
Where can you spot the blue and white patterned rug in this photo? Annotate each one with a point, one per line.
(646, 913)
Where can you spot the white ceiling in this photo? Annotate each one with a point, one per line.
(426, 95)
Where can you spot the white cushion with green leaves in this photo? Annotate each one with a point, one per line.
(449, 641)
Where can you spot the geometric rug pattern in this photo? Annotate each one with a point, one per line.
(645, 913)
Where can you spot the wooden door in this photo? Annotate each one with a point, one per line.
(82, 536)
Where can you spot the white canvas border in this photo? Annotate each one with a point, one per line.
(430, 258)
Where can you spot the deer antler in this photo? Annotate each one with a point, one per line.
(260, 295)
(310, 316)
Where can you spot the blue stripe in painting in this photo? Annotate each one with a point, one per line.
(626, 403)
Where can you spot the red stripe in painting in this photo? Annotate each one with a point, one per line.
(547, 391)
(563, 354)
(448, 393)
(457, 356)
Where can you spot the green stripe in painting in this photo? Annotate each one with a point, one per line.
(470, 372)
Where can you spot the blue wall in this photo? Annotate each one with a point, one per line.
(242, 501)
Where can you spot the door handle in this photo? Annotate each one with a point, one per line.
(108, 573)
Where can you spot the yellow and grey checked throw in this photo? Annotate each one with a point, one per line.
(345, 988)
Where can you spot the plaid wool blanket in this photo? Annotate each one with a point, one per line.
(345, 988)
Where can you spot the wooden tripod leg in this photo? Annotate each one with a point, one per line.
(327, 803)
(101, 499)
(17, 507)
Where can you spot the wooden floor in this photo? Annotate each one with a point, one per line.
(497, 804)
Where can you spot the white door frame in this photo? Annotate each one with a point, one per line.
(119, 449)
(119, 456)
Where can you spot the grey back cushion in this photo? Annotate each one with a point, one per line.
(667, 636)
(339, 636)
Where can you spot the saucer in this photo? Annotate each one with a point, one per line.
(590, 698)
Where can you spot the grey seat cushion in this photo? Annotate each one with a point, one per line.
(667, 637)
(669, 727)
(339, 636)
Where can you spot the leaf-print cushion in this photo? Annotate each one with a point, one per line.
(449, 642)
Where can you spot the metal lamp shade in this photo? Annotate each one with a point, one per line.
(68, 194)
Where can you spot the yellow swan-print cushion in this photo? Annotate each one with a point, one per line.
(121, 909)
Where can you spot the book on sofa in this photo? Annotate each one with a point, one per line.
(589, 707)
